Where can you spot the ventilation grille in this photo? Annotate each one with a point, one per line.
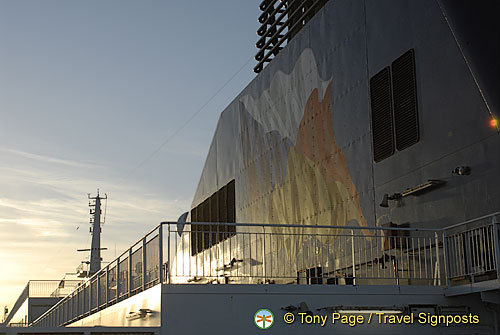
(405, 100)
(382, 127)
(394, 107)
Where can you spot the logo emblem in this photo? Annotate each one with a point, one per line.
(263, 319)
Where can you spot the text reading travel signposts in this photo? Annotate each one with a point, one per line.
(264, 318)
(381, 318)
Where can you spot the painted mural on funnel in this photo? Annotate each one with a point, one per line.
(294, 170)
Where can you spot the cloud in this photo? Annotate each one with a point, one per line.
(48, 159)
(44, 199)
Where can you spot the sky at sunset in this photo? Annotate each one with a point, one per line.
(89, 91)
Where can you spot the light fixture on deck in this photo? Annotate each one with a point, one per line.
(141, 314)
(229, 265)
(195, 279)
(387, 197)
(493, 123)
(416, 190)
(461, 170)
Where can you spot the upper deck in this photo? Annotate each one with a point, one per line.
(460, 259)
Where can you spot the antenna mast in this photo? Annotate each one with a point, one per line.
(95, 249)
(95, 229)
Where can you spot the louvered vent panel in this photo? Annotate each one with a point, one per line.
(382, 128)
(405, 100)
(219, 207)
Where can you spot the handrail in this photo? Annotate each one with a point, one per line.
(97, 274)
(470, 221)
(301, 226)
(334, 227)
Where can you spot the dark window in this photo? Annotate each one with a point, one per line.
(231, 206)
(223, 210)
(405, 100)
(222, 195)
(394, 107)
(214, 210)
(220, 207)
(382, 128)
(194, 214)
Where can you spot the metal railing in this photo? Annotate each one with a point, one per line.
(41, 289)
(51, 288)
(134, 271)
(288, 254)
(472, 251)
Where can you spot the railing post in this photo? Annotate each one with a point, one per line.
(438, 265)
(168, 255)
(160, 256)
(129, 272)
(446, 257)
(107, 285)
(497, 244)
(469, 266)
(98, 290)
(117, 296)
(144, 263)
(89, 297)
(353, 259)
(264, 253)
